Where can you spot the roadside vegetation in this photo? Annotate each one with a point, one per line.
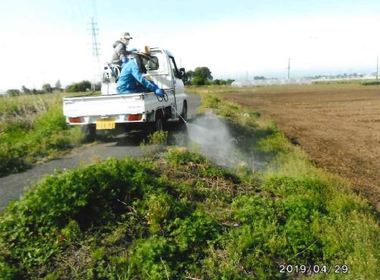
(179, 216)
(32, 129)
(371, 83)
(202, 76)
(364, 82)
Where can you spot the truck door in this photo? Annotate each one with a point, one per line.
(177, 82)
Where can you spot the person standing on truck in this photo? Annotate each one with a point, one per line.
(131, 79)
(121, 53)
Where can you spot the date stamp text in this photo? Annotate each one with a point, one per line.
(313, 269)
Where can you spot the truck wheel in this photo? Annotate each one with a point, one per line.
(184, 113)
(89, 132)
(159, 123)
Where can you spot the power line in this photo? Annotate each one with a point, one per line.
(95, 43)
(95, 47)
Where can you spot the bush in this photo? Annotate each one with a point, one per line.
(221, 82)
(87, 197)
(47, 88)
(13, 92)
(79, 87)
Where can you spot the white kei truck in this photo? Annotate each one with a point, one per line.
(132, 111)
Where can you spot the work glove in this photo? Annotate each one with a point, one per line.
(159, 92)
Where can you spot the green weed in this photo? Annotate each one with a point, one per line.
(33, 129)
(133, 218)
(154, 143)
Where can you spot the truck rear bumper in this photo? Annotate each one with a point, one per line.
(120, 128)
(117, 119)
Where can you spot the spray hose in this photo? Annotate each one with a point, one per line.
(165, 97)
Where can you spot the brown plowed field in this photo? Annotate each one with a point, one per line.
(337, 125)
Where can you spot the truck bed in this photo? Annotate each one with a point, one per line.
(107, 105)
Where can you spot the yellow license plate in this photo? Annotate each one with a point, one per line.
(105, 124)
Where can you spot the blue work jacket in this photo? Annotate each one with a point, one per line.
(131, 79)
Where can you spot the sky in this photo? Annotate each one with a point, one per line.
(43, 41)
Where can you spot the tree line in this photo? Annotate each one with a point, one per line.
(48, 88)
(202, 76)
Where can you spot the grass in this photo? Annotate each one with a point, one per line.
(178, 216)
(371, 83)
(32, 129)
(154, 143)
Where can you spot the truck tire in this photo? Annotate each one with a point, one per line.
(159, 123)
(89, 132)
(184, 113)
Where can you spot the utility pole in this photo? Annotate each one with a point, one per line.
(288, 68)
(95, 49)
(377, 69)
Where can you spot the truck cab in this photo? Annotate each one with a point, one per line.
(111, 111)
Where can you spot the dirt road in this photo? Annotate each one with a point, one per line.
(12, 186)
(337, 125)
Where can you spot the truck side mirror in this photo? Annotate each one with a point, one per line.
(182, 72)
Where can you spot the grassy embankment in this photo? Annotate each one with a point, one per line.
(178, 216)
(32, 128)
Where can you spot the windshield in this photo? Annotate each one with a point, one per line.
(151, 63)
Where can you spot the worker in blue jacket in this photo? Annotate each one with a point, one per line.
(131, 79)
